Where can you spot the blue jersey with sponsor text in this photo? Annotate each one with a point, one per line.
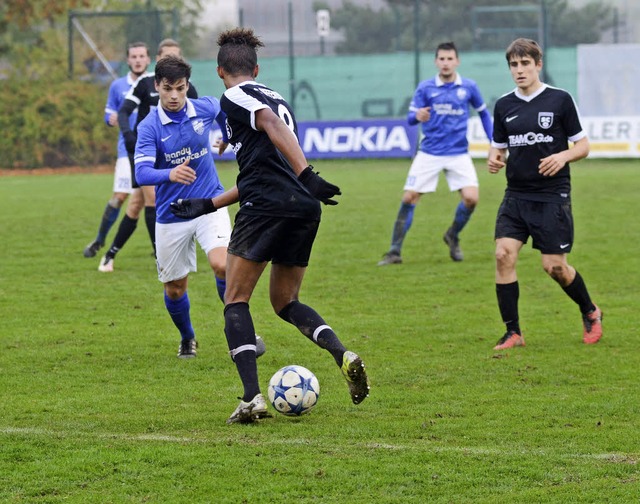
(117, 92)
(164, 144)
(445, 133)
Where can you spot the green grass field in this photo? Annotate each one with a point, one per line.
(96, 408)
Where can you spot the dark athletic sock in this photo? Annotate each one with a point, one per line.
(401, 226)
(577, 290)
(508, 295)
(309, 323)
(125, 230)
(463, 214)
(241, 339)
(109, 216)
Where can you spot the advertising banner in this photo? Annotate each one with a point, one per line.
(393, 138)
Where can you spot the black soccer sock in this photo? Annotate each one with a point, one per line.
(125, 230)
(309, 323)
(150, 221)
(577, 291)
(241, 339)
(508, 295)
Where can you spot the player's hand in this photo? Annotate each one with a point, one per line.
(551, 165)
(319, 187)
(495, 164)
(423, 114)
(130, 139)
(183, 174)
(192, 208)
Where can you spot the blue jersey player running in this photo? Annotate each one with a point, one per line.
(173, 153)
(441, 106)
(138, 60)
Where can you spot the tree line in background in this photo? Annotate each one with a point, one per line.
(49, 120)
(46, 118)
(472, 24)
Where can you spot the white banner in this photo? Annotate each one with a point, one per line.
(609, 137)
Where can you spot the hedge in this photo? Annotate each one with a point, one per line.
(54, 123)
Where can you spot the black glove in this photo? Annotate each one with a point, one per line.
(130, 141)
(192, 208)
(318, 187)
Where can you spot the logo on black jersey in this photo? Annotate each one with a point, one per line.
(545, 119)
(228, 128)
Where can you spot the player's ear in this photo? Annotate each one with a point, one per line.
(255, 71)
(220, 72)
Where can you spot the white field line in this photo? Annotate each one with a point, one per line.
(625, 458)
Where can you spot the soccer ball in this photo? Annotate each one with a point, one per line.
(294, 390)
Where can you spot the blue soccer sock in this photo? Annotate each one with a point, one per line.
(179, 311)
(462, 216)
(221, 286)
(109, 216)
(401, 226)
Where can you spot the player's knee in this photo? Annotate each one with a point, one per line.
(470, 202)
(174, 291)
(503, 256)
(558, 272)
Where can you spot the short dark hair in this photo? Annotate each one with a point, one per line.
(523, 47)
(238, 54)
(172, 68)
(447, 46)
(133, 45)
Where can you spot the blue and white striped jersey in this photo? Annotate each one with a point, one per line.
(164, 144)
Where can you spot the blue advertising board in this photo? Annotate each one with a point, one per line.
(378, 138)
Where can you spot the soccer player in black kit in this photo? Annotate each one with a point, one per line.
(279, 214)
(534, 124)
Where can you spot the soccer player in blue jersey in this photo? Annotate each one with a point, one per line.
(141, 99)
(173, 153)
(534, 125)
(279, 196)
(138, 60)
(441, 106)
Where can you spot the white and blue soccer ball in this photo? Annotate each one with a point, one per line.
(294, 390)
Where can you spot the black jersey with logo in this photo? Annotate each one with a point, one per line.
(267, 184)
(144, 97)
(532, 128)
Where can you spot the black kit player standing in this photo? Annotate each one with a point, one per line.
(535, 124)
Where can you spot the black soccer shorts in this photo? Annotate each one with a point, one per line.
(281, 240)
(550, 225)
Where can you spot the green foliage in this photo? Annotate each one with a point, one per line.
(53, 123)
(391, 29)
(96, 408)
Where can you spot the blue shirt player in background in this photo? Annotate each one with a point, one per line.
(138, 61)
(173, 152)
(441, 106)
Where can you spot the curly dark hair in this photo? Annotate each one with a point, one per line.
(238, 54)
